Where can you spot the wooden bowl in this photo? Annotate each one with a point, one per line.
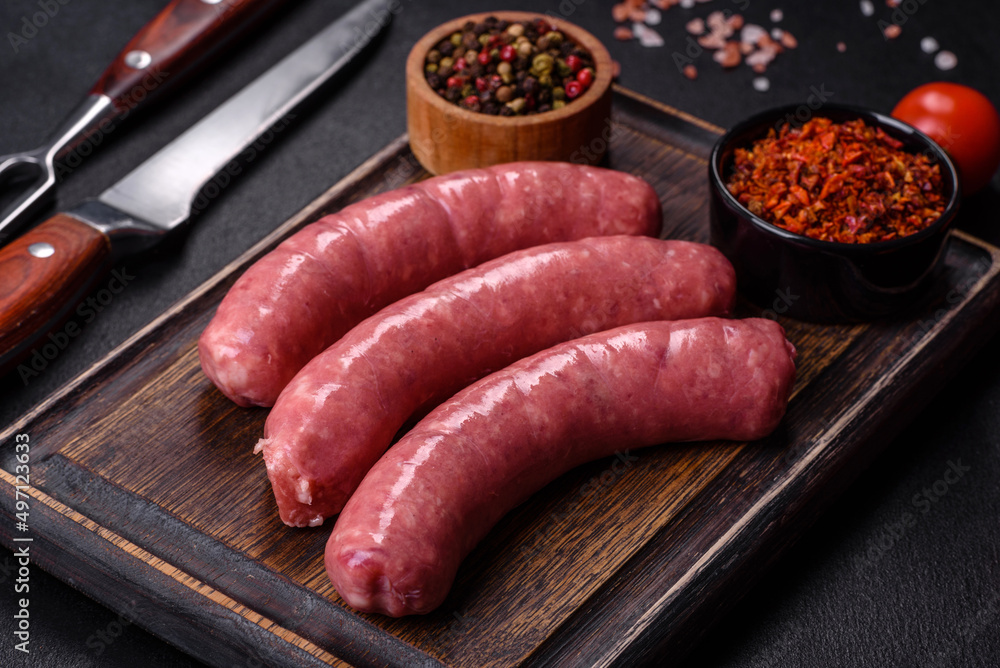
(446, 137)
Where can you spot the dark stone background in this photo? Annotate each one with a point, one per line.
(932, 598)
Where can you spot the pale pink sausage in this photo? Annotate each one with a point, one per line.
(432, 497)
(340, 412)
(323, 280)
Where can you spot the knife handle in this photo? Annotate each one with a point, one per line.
(172, 44)
(43, 275)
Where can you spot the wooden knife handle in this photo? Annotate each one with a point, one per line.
(43, 276)
(172, 44)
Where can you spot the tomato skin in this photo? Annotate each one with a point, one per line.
(963, 122)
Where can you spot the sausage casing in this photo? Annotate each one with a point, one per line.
(432, 497)
(340, 412)
(317, 284)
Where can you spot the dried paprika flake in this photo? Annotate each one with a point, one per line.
(846, 182)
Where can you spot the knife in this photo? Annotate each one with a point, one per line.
(48, 270)
(162, 53)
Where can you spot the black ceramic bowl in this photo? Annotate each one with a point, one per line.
(826, 281)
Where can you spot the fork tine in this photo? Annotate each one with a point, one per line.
(41, 191)
(9, 164)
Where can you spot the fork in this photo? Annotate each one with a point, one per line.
(166, 49)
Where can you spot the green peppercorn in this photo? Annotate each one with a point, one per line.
(433, 56)
(563, 69)
(456, 38)
(484, 39)
(446, 62)
(555, 38)
(541, 64)
(558, 93)
(430, 68)
(545, 80)
(468, 89)
(559, 104)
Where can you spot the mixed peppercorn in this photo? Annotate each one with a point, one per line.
(846, 182)
(509, 68)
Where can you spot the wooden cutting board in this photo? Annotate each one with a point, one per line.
(145, 494)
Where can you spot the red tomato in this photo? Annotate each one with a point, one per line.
(963, 121)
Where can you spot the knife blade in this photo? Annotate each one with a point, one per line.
(44, 273)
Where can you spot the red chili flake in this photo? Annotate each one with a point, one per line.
(846, 182)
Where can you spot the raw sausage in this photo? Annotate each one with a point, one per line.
(339, 414)
(398, 543)
(317, 284)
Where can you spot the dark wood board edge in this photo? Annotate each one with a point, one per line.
(674, 624)
(664, 122)
(148, 527)
(135, 584)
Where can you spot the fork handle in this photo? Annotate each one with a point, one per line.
(44, 275)
(173, 44)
